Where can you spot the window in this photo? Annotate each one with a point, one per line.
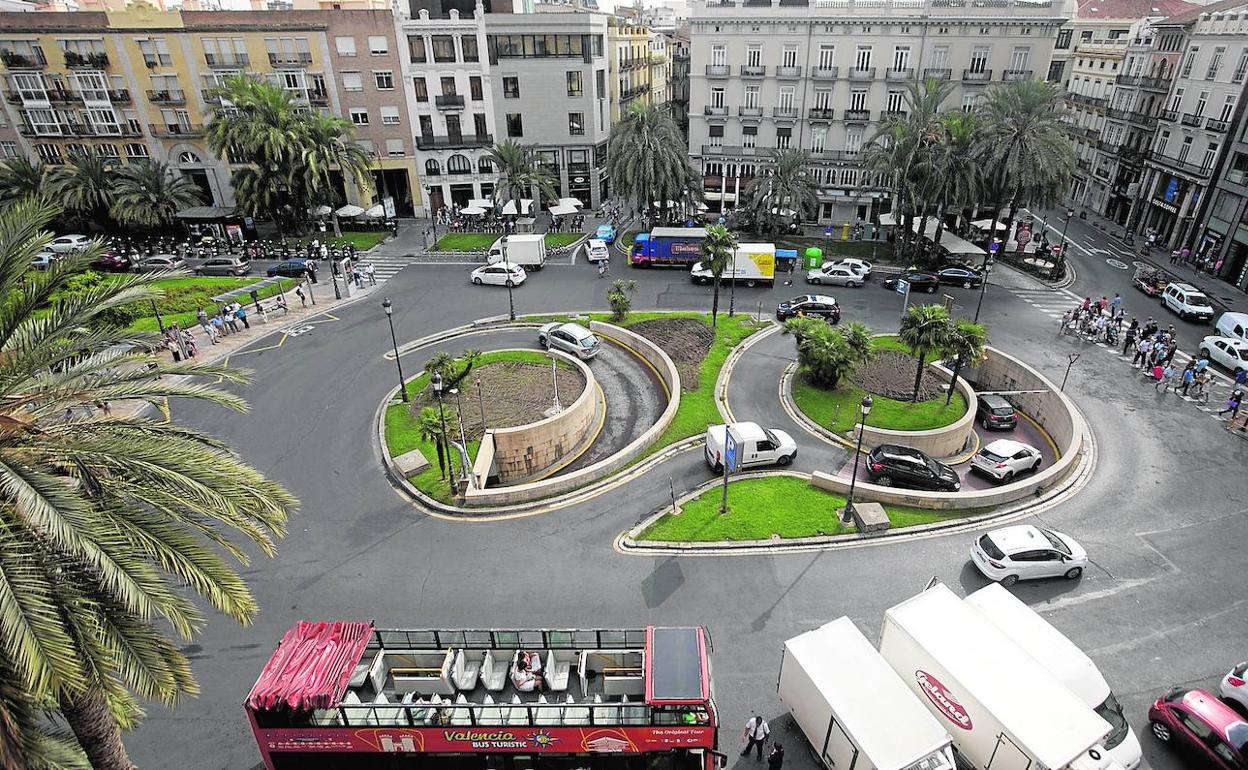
(9, 149)
(351, 81)
(1163, 139)
(784, 137)
(384, 80)
(575, 86)
(1056, 69)
(1189, 61)
(862, 57)
(432, 168)
(515, 124)
(719, 55)
(529, 46)
(1185, 149)
(979, 58)
(136, 151)
(896, 101)
(511, 87)
(1242, 68)
(359, 116)
(1176, 99)
(751, 97)
(484, 166)
(940, 57)
(452, 126)
(48, 153)
(788, 57)
(426, 125)
(394, 148)
(469, 45)
(155, 52)
(478, 124)
(1020, 58)
(858, 99)
(901, 57)
(416, 48)
(443, 48)
(576, 123)
(474, 88)
(717, 98)
(1215, 63)
(749, 136)
(823, 99)
(786, 100)
(458, 164)
(754, 55)
(1211, 153)
(107, 151)
(715, 135)
(827, 57)
(600, 84)
(1228, 108)
(422, 89)
(448, 86)
(968, 102)
(345, 46)
(390, 116)
(818, 138)
(1201, 101)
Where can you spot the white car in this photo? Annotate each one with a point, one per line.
(65, 244)
(162, 262)
(1005, 458)
(835, 275)
(1234, 687)
(1187, 301)
(498, 274)
(570, 338)
(596, 251)
(860, 266)
(43, 260)
(1228, 351)
(1025, 552)
(755, 446)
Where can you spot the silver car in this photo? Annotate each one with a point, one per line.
(225, 266)
(835, 275)
(570, 338)
(162, 262)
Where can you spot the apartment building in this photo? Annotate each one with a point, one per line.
(1097, 21)
(820, 75)
(678, 48)
(140, 84)
(628, 45)
(660, 70)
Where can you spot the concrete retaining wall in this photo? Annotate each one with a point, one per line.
(523, 493)
(1052, 410)
(524, 451)
(937, 442)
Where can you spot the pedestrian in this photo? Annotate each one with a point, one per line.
(241, 314)
(188, 340)
(231, 320)
(1241, 377)
(359, 278)
(1174, 257)
(1232, 405)
(1130, 343)
(602, 271)
(324, 251)
(755, 734)
(218, 326)
(1116, 302)
(1166, 380)
(775, 760)
(1101, 304)
(1141, 351)
(370, 270)
(303, 300)
(1188, 377)
(1087, 304)
(1170, 351)
(202, 318)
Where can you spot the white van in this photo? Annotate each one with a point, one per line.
(1064, 660)
(1188, 302)
(1233, 325)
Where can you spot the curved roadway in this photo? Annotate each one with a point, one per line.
(1162, 518)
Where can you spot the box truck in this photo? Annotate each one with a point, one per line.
(751, 264)
(667, 246)
(855, 711)
(1064, 660)
(527, 250)
(1003, 709)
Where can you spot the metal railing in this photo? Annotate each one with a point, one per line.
(1008, 75)
(1190, 120)
(715, 112)
(1141, 81)
(175, 129)
(290, 59)
(14, 60)
(976, 76)
(937, 73)
(1213, 124)
(508, 639)
(825, 73)
(820, 113)
(858, 115)
(227, 60)
(450, 142)
(753, 71)
(449, 101)
(899, 73)
(862, 73)
(718, 70)
(731, 149)
(91, 61)
(750, 112)
(788, 73)
(787, 113)
(1169, 116)
(1180, 165)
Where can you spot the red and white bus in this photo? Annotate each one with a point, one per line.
(348, 695)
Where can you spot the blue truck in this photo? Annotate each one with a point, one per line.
(667, 246)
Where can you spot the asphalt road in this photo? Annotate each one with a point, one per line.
(1163, 520)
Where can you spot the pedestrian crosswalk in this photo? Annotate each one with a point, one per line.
(1049, 302)
(386, 266)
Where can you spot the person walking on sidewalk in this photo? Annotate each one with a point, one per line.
(755, 735)
(1232, 404)
(1130, 343)
(1141, 351)
(370, 270)
(1188, 377)
(240, 313)
(775, 760)
(1166, 380)
(1115, 303)
(303, 300)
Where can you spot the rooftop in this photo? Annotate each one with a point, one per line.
(1131, 10)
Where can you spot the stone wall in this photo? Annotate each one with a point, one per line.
(937, 442)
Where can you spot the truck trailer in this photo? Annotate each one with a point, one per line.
(667, 247)
(525, 249)
(1005, 710)
(855, 711)
(751, 264)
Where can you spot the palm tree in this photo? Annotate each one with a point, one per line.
(148, 194)
(518, 174)
(785, 184)
(958, 174)
(431, 430)
(924, 329)
(328, 145)
(21, 178)
(967, 341)
(858, 339)
(1023, 147)
(115, 529)
(718, 247)
(648, 159)
(86, 185)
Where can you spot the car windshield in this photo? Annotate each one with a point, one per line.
(1003, 410)
(1197, 299)
(935, 467)
(588, 341)
(1238, 735)
(1056, 541)
(991, 456)
(796, 300)
(771, 437)
(1111, 711)
(990, 548)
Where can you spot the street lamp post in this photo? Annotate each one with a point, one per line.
(159, 321)
(463, 437)
(1070, 213)
(865, 408)
(436, 382)
(983, 281)
(1072, 357)
(481, 405)
(387, 305)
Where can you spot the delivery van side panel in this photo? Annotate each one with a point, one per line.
(801, 696)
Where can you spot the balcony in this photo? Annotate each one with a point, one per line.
(227, 61)
(1190, 120)
(1131, 155)
(825, 73)
(899, 73)
(857, 116)
(892, 114)
(290, 59)
(937, 73)
(454, 142)
(1168, 116)
(1008, 75)
(835, 154)
(17, 61)
(820, 113)
(90, 61)
(318, 98)
(753, 71)
(862, 73)
(449, 102)
(58, 96)
(42, 130)
(1119, 114)
(750, 112)
(1092, 101)
(1220, 126)
(718, 70)
(718, 149)
(788, 73)
(715, 112)
(1152, 84)
(1178, 165)
(173, 96)
(84, 129)
(976, 76)
(784, 113)
(175, 130)
(119, 96)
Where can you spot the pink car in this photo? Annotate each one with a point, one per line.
(1201, 726)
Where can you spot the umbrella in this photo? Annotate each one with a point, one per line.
(665, 205)
(984, 224)
(483, 203)
(375, 212)
(472, 211)
(319, 211)
(349, 210)
(702, 207)
(510, 208)
(571, 202)
(562, 210)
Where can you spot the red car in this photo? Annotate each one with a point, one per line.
(1203, 726)
(112, 262)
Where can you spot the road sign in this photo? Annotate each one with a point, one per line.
(828, 231)
(992, 247)
(388, 204)
(730, 450)
(903, 286)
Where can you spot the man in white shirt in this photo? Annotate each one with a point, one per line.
(756, 732)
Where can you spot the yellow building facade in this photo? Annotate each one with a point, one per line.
(632, 67)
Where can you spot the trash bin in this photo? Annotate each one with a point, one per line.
(786, 260)
(814, 257)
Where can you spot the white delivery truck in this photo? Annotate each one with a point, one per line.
(525, 249)
(755, 445)
(854, 710)
(1064, 660)
(751, 264)
(1005, 711)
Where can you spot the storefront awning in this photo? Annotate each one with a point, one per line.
(562, 210)
(349, 211)
(948, 241)
(207, 212)
(984, 224)
(472, 211)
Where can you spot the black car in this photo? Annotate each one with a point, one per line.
(960, 276)
(995, 413)
(927, 282)
(818, 305)
(889, 464)
(290, 268)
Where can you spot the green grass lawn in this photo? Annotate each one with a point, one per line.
(837, 410)
(555, 240)
(402, 429)
(185, 296)
(363, 240)
(781, 505)
(483, 241)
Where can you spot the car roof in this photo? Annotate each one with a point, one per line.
(897, 450)
(824, 298)
(1234, 342)
(1019, 538)
(576, 330)
(992, 399)
(595, 243)
(1217, 714)
(747, 431)
(1185, 287)
(1005, 446)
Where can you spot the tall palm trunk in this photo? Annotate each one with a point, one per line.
(918, 374)
(953, 381)
(88, 716)
(715, 303)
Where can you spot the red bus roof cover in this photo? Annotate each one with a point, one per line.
(311, 666)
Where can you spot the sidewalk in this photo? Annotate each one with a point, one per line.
(417, 236)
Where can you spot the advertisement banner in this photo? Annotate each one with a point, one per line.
(589, 739)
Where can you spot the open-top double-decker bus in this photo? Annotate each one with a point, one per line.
(339, 695)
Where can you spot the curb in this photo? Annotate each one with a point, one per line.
(725, 372)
